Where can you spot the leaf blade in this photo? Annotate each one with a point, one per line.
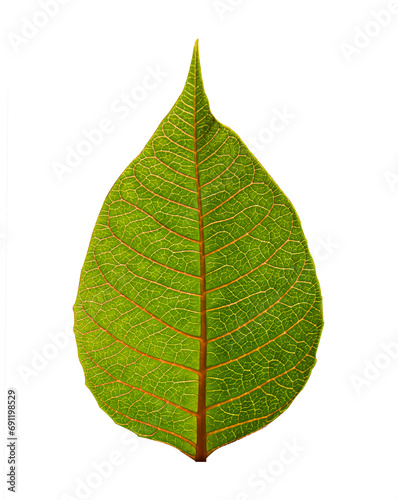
(199, 311)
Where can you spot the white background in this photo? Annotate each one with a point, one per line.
(337, 160)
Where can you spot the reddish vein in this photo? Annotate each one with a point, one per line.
(201, 447)
(137, 305)
(159, 360)
(132, 387)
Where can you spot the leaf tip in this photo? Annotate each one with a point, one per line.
(195, 72)
(195, 55)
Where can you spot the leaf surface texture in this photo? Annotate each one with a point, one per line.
(199, 311)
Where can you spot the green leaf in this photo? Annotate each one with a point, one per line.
(199, 311)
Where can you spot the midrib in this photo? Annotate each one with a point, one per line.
(201, 448)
